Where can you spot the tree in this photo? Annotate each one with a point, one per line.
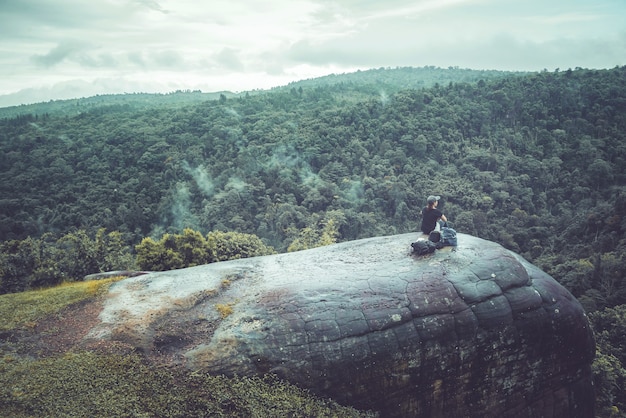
(609, 327)
(191, 248)
(159, 255)
(47, 261)
(18, 261)
(235, 245)
(324, 232)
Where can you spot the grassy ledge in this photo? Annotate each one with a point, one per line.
(85, 383)
(25, 308)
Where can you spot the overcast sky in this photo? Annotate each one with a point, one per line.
(57, 49)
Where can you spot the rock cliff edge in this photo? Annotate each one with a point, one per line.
(470, 331)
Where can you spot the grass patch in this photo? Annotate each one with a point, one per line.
(95, 385)
(25, 308)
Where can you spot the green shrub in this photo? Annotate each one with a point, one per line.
(609, 373)
(609, 376)
(174, 251)
(325, 233)
(48, 261)
(235, 245)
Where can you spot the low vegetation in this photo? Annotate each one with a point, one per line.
(88, 384)
(26, 308)
(83, 383)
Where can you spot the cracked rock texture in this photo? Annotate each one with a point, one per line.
(474, 331)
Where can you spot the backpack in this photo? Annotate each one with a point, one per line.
(448, 236)
(434, 236)
(423, 247)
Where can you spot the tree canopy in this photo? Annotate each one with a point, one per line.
(533, 161)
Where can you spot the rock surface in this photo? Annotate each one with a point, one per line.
(474, 331)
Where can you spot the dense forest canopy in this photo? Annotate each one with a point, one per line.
(536, 162)
(533, 161)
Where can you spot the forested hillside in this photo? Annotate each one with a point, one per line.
(536, 162)
(363, 83)
(127, 102)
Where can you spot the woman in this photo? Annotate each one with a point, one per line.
(431, 215)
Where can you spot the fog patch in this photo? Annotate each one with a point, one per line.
(284, 156)
(201, 177)
(384, 98)
(36, 126)
(232, 112)
(234, 185)
(308, 177)
(352, 191)
(181, 209)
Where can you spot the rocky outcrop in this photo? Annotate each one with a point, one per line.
(474, 331)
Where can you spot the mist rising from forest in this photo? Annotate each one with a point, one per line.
(201, 177)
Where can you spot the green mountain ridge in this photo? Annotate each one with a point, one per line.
(128, 101)
(390, 79)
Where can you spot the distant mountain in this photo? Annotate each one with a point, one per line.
(401, 78)
(379, 81)
(131, 101)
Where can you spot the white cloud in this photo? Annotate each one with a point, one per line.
(150, 45)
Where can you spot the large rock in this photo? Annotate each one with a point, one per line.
(475, 331)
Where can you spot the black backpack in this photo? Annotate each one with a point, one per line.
(423, 247)
(434, 236)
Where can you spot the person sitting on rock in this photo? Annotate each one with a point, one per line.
(431, 215)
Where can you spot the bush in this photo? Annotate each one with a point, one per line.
(609, 327)
(235, 245)
(48, 261)
(174, 251)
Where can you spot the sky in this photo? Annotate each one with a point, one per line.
(62, 49)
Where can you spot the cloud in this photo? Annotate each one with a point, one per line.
(229, 58)
(245, 45)
(59, 53)
(43, 19)
(167, 59)
(154, 5)
(136, 58)
(468, 34)
(562, 18)
(102, 60)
